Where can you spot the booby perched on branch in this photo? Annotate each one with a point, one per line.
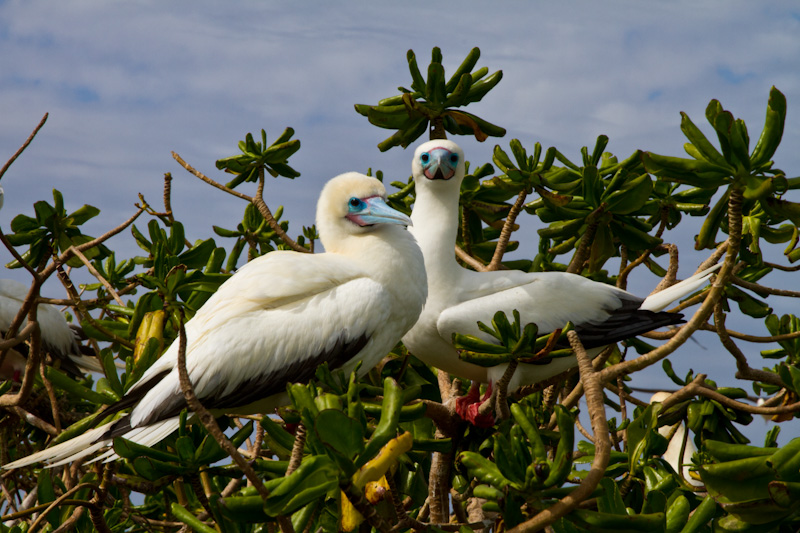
(280, 317)
(58, 338)
(458, 298)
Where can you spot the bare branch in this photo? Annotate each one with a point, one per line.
(505, 233)
(469, 260)
(97, 275)
(594, 401)
(24, 145)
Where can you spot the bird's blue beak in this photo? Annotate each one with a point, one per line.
(375, 210)
(441, 164)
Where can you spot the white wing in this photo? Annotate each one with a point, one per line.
(547, 299)
(275, 321)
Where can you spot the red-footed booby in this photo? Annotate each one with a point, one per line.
(278, 318)
(681, 465)
(58, 338)
(458, 298)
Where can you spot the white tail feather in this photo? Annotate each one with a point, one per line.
(661, 299)
(63, 450)
(91, 364)
(146, 436)
(81, 454)
(92, 441)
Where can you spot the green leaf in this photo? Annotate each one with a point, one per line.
(339, 432)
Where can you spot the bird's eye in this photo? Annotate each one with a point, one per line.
(454, 158)
(356, 204)
(425, 157)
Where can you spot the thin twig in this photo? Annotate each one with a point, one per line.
(62, 259)
(208, 180)
(582, 253)
(58, 501)
(257, 200)
(743, 369)
(755, 287)
(24, 145)
(97, 274)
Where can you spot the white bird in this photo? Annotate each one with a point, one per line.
(58, 338)
(673, 453)
(280, 317)
(458, 298)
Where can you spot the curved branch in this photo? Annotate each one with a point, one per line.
(505, 233)
(711, 299)
(469, 260)
(24, 145)
(594, 401)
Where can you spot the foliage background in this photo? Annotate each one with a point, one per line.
(91, 104)
(125, 84)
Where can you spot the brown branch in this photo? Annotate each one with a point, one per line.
(594, 401)
(258, 200)
(297, 449)
(776, 266)
(672, 271)
(698, 388)
(505, 233)
(62, 259)
(755, 287)
(58, 501)
(16, 255)
(10, 400)
(97, 275)
(622, 279)
(96, 512)
(743, 369)
(208, 419)
(24, 145)
(706, 309)
(34, 420)
(51, 393)
(469, 260)
(208, 180)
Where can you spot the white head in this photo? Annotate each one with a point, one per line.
(437, 163)
(351, 205)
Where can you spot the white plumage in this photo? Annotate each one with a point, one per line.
(58, 338)
(281, 316)
(458, 298)
(673, 454)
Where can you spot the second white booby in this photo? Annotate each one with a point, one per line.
(458, 298)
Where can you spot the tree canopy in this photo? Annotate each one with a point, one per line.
(387, 451)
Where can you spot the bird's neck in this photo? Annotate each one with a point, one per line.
(390, 253)
(435, 218)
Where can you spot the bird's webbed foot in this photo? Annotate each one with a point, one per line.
(468, 407)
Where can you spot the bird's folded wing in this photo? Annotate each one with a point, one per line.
(275, 324)
(548, 300)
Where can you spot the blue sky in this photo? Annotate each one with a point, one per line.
(127, 83)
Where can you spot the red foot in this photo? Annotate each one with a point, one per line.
(467, 406)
